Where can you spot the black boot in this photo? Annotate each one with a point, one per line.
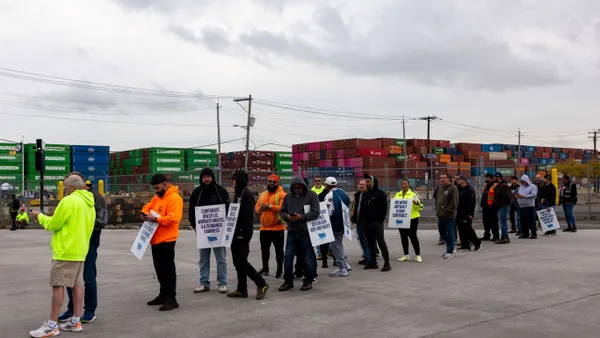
(170, 304)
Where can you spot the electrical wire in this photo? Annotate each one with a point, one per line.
(361, 117)
(99, 102)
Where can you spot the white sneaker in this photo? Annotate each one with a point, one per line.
(448, 256)
(223, 289)
(72, 327)
(404, 258)
(45, 331)
(339, 273)
(349, 268)
(201, 289)
(419, 259)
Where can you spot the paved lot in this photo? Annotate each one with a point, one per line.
(544, 288)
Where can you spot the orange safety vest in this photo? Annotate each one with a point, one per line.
(490, 200)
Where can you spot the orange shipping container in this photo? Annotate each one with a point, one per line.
(452, 165)
(395, 150)
(445, 158)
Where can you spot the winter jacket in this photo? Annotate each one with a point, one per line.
(374, 206)
(23, 217)
(245, 223)
(529, 192)
(466, 202)
(547, 193)
(334, 199)
(514, 189)
(170, 209)
(502, 195)
(205, 195)
(447, 202)
(101, 216)
(568, 193)
(71, 226)
(14, 206)
(416, 206)
(355, 207)
(270, 219)
(294, 204)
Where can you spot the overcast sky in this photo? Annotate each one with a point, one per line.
(486, 68)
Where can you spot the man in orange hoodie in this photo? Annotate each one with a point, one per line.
(272, 228)
(169, 205)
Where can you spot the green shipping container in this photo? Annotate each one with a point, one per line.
(401, 157)
(195, 169)
(6, 148)
(285, 179)
(284, 170)
(51, 168)
(10, 178)
(506, 172)
(166, 152)
(51, 158)
(48, 185)
(165, 168)
(153, 161)
(201, 153)
(285, 163)
(11, 168)
(399, 142)
(7, 158)
(201, 161)
(437, 150)
(283, 155)
(47, 177)
(50, 148)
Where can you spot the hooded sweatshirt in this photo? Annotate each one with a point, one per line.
(529, 192)
(72, 226)
(245, 222)
(270, 219)
(101, 216)
(294, 204)
(23, 217)
(373, 208)
(205, 195)
(170, 209)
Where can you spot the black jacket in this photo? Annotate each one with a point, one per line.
(374, 206)
(484, 195)
(548, 193)
(354, 218)
(101, 216)
(568, 193)
(245, 223)
(204, 195)
(466, 202)
(514, 189)
(502, 195)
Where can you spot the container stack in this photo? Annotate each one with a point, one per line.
(93, 162)
(198, 159)
(284, 167)
(57, 166)
(11, 164)
(261, 164)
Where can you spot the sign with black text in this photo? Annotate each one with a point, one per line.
(210, 223)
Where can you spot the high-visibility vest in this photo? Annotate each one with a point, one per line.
(491, 194)
(276, 203)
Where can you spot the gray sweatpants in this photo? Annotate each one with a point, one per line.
(337, 248)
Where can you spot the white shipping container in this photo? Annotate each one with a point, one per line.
(498, 156)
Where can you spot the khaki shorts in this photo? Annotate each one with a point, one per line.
(66, 274)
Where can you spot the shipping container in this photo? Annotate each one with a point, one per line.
(7, 177)
(90, 149)
(49, 176)
(50, 148)
(199, 161)
(506, 172)
(200, 153)
(50, 158)
(90, 158)
(445, 158)
(162, 152)
(498, 156)
(437, 150)
(361, 152)
(394, 150)
(50, 168)
(6, 158)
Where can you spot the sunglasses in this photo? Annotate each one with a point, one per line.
(272, 182)
(318, 181)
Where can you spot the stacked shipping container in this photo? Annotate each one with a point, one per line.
(11, 164)
(57, 166)
(93, 162)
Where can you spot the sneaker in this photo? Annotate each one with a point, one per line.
(45, 331)
(315, 280)
(156, 301)
(223, 289)
(262, 292)
(349, 267)
(264, 272)
(404, 258)
(279, 274)
(339, 273)
(72, 327)
(362, 262)
(371, 267)
(325, 265)
(286, 287)
(448, 256)
(88, 317)
(502, 241)
(201, 289)
(463, 249)
(306, 287)
(386, 267)
(65, 317)
(574, 230)
(237, 294)
(533, 237)
(170, 304)
(567, 229)
(419, 259)
(441, 242)
(478, 248)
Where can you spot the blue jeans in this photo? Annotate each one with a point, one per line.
(568, 209)
(503, 220)
(221, 258)
(90, 294)
(362, 240)
(298, 243)
(446, 227)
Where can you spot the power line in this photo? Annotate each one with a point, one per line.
(99, 102)
(362, 117)
(222, 142)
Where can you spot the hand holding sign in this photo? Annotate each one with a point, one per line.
(347, 226)
(400, 212)
(548, 219)
(210, 223)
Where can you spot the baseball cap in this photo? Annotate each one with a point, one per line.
(461, 177)
(548, 177)
(498, 175)
(489, 176)
(331, 181)
(88, 182)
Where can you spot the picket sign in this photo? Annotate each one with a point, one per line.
(144, 236)
(400, 212)
(232, 217)
(210, 225)
(548, 219)
(320, 230)
(347, 226)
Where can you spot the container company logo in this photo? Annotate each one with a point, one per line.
(286, 162)
(168, 152)
(7, 158)
(56, 158)
(167, 169)
(7, 147)
(56, 149)
(9, 167)
(91, 159)
(202, 152)
(91, 168)
(56, 168)
(168, 160)
(91, 150)
(202, 160)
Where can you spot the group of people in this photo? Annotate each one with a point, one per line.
(81, 215)
(18, 213)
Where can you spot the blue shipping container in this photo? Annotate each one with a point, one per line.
(491, 147)
(450, 151)
(91, 169)
(90, 158)
(530, 149)
(323, 154)
(563, 156)
(488, 170)
(551, 161)
(90, 149)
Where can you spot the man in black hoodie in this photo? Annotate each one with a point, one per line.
(464, 215)
(89, 267)
(502, 201)
(373, 208)
(209, 193)
(515, 224)
(240, 245)
(547, 196)
(568, 200)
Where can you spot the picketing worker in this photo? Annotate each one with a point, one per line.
(464, 216)
(405, 234)
(168, 204)
(272, 228)
(334, 199)
(568, 200)
(447, 203)
(374, 207)
(22, 218)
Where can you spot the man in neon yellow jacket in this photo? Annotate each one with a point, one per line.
(22, 218)
(411, 233)
(71, 227)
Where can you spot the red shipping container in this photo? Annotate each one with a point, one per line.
(422, 150)
(458, 158)
(386, 142)
(467, 147)
(444, 144)
(475, 155)
(371, 152)
(416, 142)
(410, 150)
(326, 163)
(414, 158)
(362, 143)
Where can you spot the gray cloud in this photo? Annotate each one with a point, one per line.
(163, 6)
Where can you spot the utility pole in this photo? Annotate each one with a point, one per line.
(519, 156)
(404, 145)
(249, 124)
(219, 144)
(594, 137)
(430, 171)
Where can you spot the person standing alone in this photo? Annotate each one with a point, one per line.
(13, 209)
(568, 200)
(447, 203)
